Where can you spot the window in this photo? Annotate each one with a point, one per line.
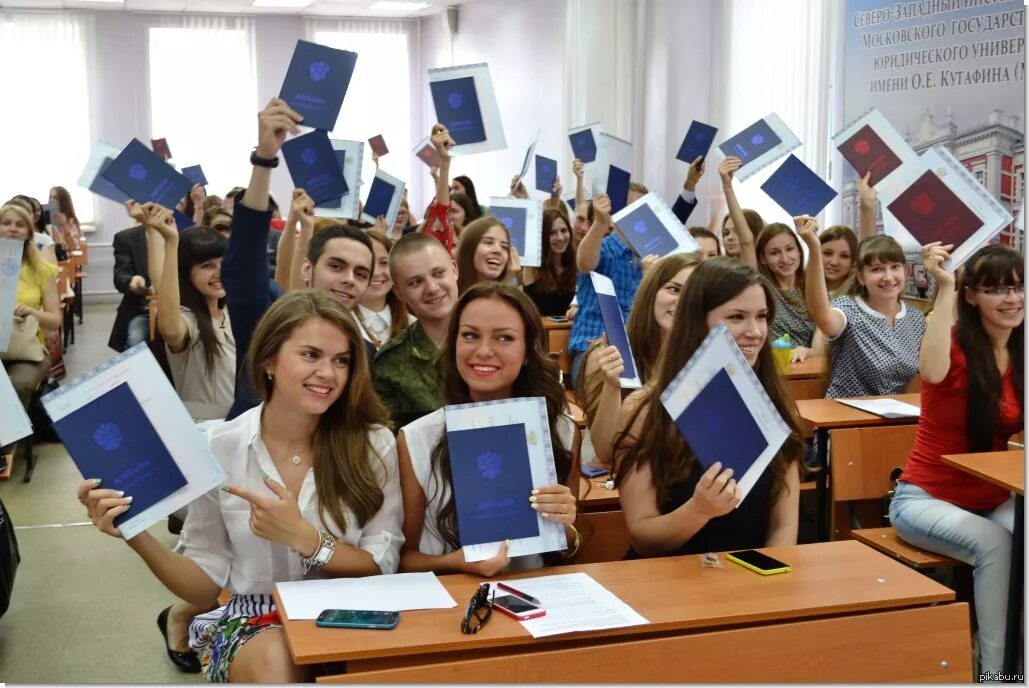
(203, 95)
(47, 116)
(378, 99)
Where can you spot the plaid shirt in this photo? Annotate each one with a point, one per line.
(617, 262)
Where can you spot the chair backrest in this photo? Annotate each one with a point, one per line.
(861, 459)
(604, 537)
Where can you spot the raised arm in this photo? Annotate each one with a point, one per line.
(442, 142)
(161, 232)
(829, 320)
(726, 169)
(607, 362)
(578, 169)
(588, 255)
(305, 215)
(285, 250)
(866, 208)
(934, 358)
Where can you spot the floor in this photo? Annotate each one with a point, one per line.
(84, 607)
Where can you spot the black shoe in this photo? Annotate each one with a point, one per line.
(187, 662)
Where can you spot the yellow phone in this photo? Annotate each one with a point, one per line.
(757, 562)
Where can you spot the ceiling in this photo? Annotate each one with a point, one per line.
(333, 8)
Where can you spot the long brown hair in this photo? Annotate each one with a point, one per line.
(844, 232)
(538, 378)
(659, 444)
(343, 449)
(65, 204)
(874, 249)
(471, 235)
(549, 280)
(754, 221)
(29, 254)
(397, 308)
(990, 266)
(767, 234)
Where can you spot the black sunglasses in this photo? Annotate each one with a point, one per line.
(480, 609)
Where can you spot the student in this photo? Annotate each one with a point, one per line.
(438, 215)
(781, 261)
(425, 280)
(191, 314)
(330, 483)
(132, 279)
(485, 254)
(381, 314)
(402, 222)
(462, 184)
(41, 236)
(875, 337)
(493, 351)
(583, 221)
(71, 232)
(218, 219)
(672, 505)
(972, 401)
(709, 247)
(650, 321)
(552, 286)
(192, 206)
(839, 247)
(462, 212)
(740, 226)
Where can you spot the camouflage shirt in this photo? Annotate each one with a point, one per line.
(405, 376)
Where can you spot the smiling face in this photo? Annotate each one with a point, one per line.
(426, 280)
(343, 270)
(746, 316)
(206, 278)
(837, 260)
(13, 226)
(782, 255)
(380, 283)
(729, 238)
(1003, 310)
(492, 254)
(311, 369)
(560, 236)
(883, 280)
(490, 348)
(668, 298)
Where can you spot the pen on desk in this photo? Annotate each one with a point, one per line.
(521, 594)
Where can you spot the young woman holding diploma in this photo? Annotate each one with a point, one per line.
(493, 351)
(485, 254)
(552, 285)
(973, 381)
(671, 504)
(312, 485)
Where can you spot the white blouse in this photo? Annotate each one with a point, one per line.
(217, 536)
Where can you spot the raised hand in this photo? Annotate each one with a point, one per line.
(302, 208)
(555, 503)
(602, 209)
(727, 168)
(694, 173)
(807, 228)
(273, 123)
(161, 219)
(442, 141)
(648, 262)
(197, 194)
(934, 255)
(716, 493)
(518, 188)
(578, 168)
(103, 506)
(866, 194)
(611, 365)
(558, 189)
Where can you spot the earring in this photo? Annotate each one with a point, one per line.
(269, 374)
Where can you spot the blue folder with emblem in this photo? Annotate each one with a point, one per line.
(195, 174)
(492, 482)
(457, 108)
(584, 145)
(380, 196)
(316, 83)
(546, 174)
(797, 189)
(102, 186)
(697, 142)
(750, 143)
(141, 174)
(111, 438)
(645, 232)
(514, 220)
(618, 188)
(314, 166)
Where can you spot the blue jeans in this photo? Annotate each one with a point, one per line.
(139, 330)
(981, 539)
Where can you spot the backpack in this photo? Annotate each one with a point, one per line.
(9, 558)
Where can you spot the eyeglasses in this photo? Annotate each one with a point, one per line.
(480, 609)
(1012, 290)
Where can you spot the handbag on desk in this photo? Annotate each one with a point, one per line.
(24, 344)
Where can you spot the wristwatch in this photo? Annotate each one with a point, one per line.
(322, 555)
(256, 159)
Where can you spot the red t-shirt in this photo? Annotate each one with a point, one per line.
(941, 430)
(437, 224)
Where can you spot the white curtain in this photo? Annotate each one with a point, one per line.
(777, 58)
(203, 91)
(47, 117)
(379, 98)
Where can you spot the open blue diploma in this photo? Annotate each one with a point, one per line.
(111, 438)
(797, 189)
(457, 107)
(316, 83)
(314, 167)
(141, 174)
(492, 483)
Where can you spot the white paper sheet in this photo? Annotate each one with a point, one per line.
(788, 142)
(14, 422)
(532, 256)
(10, 267)
(716, 353)
(350, 204)
(391, 593)
(887, 408)
(885, 131)
(575, 603)
(529, 155)
(488, 108)
(611, 152)
(394, 204)
(685, 241)
(531, 412)
(97, 154)
(959, 180)
(172, 422)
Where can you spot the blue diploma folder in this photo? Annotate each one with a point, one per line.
(514, 220)
(141, 174)
(380, 196)
(719, 427)
(492, 483)
(111, 438)
(644, 231)
(697, 142)
(314, 166)
(457, 107)
(797, 189)
(752, 142)
(618, 188)
(583, 145)
(102, 186)
(195, 174)
(316, 83)
(614, 326)
(546, 174)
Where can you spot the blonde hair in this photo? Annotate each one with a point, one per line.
(30, 254)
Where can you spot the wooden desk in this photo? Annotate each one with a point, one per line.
(809, 378)
(593, 496)
(557, 342)
(842, 598)
(1005, 469)
(819, 416)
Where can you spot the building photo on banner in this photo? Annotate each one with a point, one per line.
(950, 74)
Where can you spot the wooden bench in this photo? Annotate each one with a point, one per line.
(604, 537)
(888, 542)
(557, 342)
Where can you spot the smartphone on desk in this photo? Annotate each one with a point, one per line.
(758, 562)
(517, 607)
(354, 618)
(593, 471)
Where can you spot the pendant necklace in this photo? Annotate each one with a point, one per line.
(296, 459)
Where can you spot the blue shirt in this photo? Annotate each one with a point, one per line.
(616, 263)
